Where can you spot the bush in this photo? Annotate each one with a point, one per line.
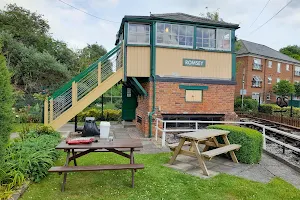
(251, 142)
(33, 156)
(45, 130)
(268, 108)
(249, 104)
(108, 114)
(6, 103)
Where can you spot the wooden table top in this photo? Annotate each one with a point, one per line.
(203, 134)
(103, 144)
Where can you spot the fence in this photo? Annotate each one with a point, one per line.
(295, 122)
(163, 124)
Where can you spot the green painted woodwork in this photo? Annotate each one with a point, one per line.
(195, 36)
(129, 104)
(125, 51)
(233, 56)
(138, 45)
(153, 73)
(85, 72)
(139, 87)
(193, 87)
(193, 62)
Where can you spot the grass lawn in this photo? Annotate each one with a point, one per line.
(154, 182)
(17, 127)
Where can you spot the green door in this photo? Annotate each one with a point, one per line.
(129, 104)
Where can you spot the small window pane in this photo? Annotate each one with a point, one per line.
(160, 28)
(139, 34)
(206, 38)
(174, 35)
(223, 39)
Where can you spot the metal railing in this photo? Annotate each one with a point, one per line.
(77, 88)
(161, 125)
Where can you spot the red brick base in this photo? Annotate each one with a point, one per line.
(170, 99)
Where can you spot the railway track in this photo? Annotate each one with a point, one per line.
(279, 150)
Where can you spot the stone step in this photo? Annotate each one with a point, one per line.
(127, 124)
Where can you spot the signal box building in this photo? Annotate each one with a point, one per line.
(172, 66)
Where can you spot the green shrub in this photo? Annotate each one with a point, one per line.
(268, 108)
(34, 155)
(251, 142)
(6, 103)
(112, 115)
(45, 130)
(108, 114)
(248, 105)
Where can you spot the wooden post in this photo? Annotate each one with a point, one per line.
(46, 106)
(51, 110)
(74, 93)
(99, 73)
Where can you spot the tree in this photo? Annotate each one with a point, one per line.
(6, 103)
(25, 26)
(297, 89)
(215, 16)
(32, 70)
(284, 88)
(292, 51)
(90, 54)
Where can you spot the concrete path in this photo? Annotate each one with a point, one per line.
(267, 169)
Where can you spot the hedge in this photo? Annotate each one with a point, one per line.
(249, 104)
(108, 114)
(251, 142)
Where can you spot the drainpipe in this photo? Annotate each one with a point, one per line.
(153, 63)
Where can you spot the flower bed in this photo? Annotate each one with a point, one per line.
(28, 159)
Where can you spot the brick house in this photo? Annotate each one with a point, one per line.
(184, 64)
(263, 67)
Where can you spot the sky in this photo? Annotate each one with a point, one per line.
(78, 29)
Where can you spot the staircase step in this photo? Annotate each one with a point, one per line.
(127, 124)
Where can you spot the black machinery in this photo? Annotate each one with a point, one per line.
(90, 128)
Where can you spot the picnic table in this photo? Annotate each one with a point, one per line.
(117, 146)
(208, 138)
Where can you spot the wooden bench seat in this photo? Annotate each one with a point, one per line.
(95, 168)
(220, 150)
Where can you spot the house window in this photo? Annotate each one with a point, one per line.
(139, 34)
(175, 35)
(287, 67)
(256, 81)
(193, 95)
(278, 80)
(297, 71)
(278, 67)
(269, 80)
(257, 64)
(223, 39)
(268, 96)
(270, 64)
(206, 38)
